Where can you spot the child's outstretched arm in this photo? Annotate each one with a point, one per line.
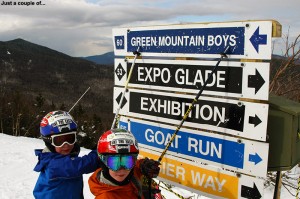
(69, 167)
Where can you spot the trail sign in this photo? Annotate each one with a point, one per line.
(247, 40)
(232, 79)
(233, 117)
(244, 156)
(206, 180)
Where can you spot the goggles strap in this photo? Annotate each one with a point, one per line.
(47, 139)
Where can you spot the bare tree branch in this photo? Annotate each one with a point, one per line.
(285, 79)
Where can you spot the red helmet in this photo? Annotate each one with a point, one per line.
(116, 141)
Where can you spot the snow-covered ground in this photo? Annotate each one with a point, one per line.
(17, 177)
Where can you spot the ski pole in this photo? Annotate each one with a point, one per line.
(192, 105)
(136, 54)
(79, 99)
(297, 193)
(38, 116)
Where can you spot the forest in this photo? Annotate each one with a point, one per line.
(35, 80)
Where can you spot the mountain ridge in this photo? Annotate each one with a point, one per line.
(37, 78)
(106, 58)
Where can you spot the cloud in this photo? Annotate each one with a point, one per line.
(84, 27)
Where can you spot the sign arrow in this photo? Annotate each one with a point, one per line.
(257, 39)
(119, 99)
(249, 192)
(256, 81)
(255, 158)
(254, 120)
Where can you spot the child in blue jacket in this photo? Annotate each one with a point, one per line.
(59, 165)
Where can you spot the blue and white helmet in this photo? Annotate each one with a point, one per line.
(57, 122)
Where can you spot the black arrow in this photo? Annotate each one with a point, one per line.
(254, 120)
(255, 81)
(249, 192)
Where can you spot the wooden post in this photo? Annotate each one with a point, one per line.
(278, 184)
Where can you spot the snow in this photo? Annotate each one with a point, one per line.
(17, 178)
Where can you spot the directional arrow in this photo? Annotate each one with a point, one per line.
(255, 158)
(119, 99)
(255, 81)
(254, 120)
(249, 192)
(257, 39)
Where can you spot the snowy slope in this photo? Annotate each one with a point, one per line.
(17, 177)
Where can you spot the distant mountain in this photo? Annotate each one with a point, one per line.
(274, 56)
(280, 57)
(107, 58)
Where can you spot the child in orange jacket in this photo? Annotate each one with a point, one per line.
(121, 172)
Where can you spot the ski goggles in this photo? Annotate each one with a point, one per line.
(60, 139)
(116, 162)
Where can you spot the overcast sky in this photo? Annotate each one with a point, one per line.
(84, 27)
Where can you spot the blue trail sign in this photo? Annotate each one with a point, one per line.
(244, 156)
(247, 40)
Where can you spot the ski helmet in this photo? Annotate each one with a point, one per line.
(57, 122)
(117, 141)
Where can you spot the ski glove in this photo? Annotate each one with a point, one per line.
(150, 168)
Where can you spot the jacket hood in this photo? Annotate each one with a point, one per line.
(44, 159)
(45, 156)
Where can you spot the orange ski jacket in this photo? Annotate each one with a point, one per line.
(103, 191)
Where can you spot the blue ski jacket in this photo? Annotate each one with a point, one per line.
(61, 175)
